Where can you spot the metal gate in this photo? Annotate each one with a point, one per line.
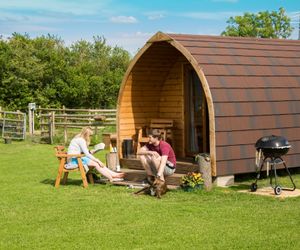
(13, 124)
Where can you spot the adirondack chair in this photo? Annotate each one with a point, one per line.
(62, 157)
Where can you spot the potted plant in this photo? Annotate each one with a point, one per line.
(192, 181)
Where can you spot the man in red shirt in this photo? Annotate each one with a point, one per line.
(157, 156)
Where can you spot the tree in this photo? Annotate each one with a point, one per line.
(264, 24)
(22, 74)
(44, 71)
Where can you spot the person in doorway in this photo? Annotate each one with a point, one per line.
(157, 156)
(78, 145)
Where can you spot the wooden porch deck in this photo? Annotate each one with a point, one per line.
(135, 174)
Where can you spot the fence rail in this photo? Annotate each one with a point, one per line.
(52, 118)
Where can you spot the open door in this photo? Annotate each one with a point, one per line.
(195, 114)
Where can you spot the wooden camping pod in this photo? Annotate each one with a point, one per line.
(251, 88)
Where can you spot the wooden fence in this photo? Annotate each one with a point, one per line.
(12, 124)
(50, 119)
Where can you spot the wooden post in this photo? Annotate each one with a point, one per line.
(29, 120)
(3, 125)
(40, 118)
(53, 122)
(89, 118)
(31, 109)
(50, 129)
(65, 126)
(96, 133)
(32, 120)
(1, 119)
(205, 169)
(24, 126)
(51, 126)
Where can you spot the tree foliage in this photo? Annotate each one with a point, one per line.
(44, 71)
(264, 24)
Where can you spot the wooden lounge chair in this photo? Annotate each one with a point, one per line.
(62, 156)
(164, 125)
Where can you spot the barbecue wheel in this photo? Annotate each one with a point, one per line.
(277, 190)
(253, 187)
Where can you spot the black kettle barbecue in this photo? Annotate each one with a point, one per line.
(273, 146)
(270, 149)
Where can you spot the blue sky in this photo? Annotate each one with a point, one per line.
(129, 24)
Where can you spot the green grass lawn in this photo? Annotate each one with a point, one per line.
(35, 215)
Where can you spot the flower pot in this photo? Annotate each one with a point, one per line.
(191, 189)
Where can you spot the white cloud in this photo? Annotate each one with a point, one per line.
(155, 15)
(123, 19)
(36, 28)
(295, 15)
(130, 41)
(80, 7)
(137, 34)
(210, 15)
(25, 18)
(28, 28)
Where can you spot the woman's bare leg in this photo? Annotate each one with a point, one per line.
(100, 170)
(109, 174)
(115, 174)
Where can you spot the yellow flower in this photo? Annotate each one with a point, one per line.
(191, 179)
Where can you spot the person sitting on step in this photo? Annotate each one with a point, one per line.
(157, 156)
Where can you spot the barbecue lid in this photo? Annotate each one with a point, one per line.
(272, 141)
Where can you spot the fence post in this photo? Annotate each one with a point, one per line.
(0, 121)
(51, 126)
(3, 125)
(65, 126)
(50, 131)
(29, 121)
(24, 126)
(96, 128)
(89, 117)
(31, 109)
(41, 121)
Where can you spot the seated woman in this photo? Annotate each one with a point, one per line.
(79, 144)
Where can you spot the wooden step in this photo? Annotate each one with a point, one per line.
(137, 175)
(134, 174)
(139, 185)
(182, 167)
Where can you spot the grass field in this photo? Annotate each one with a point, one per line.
(35, 215)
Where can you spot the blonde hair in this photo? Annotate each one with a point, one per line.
(85, 134)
